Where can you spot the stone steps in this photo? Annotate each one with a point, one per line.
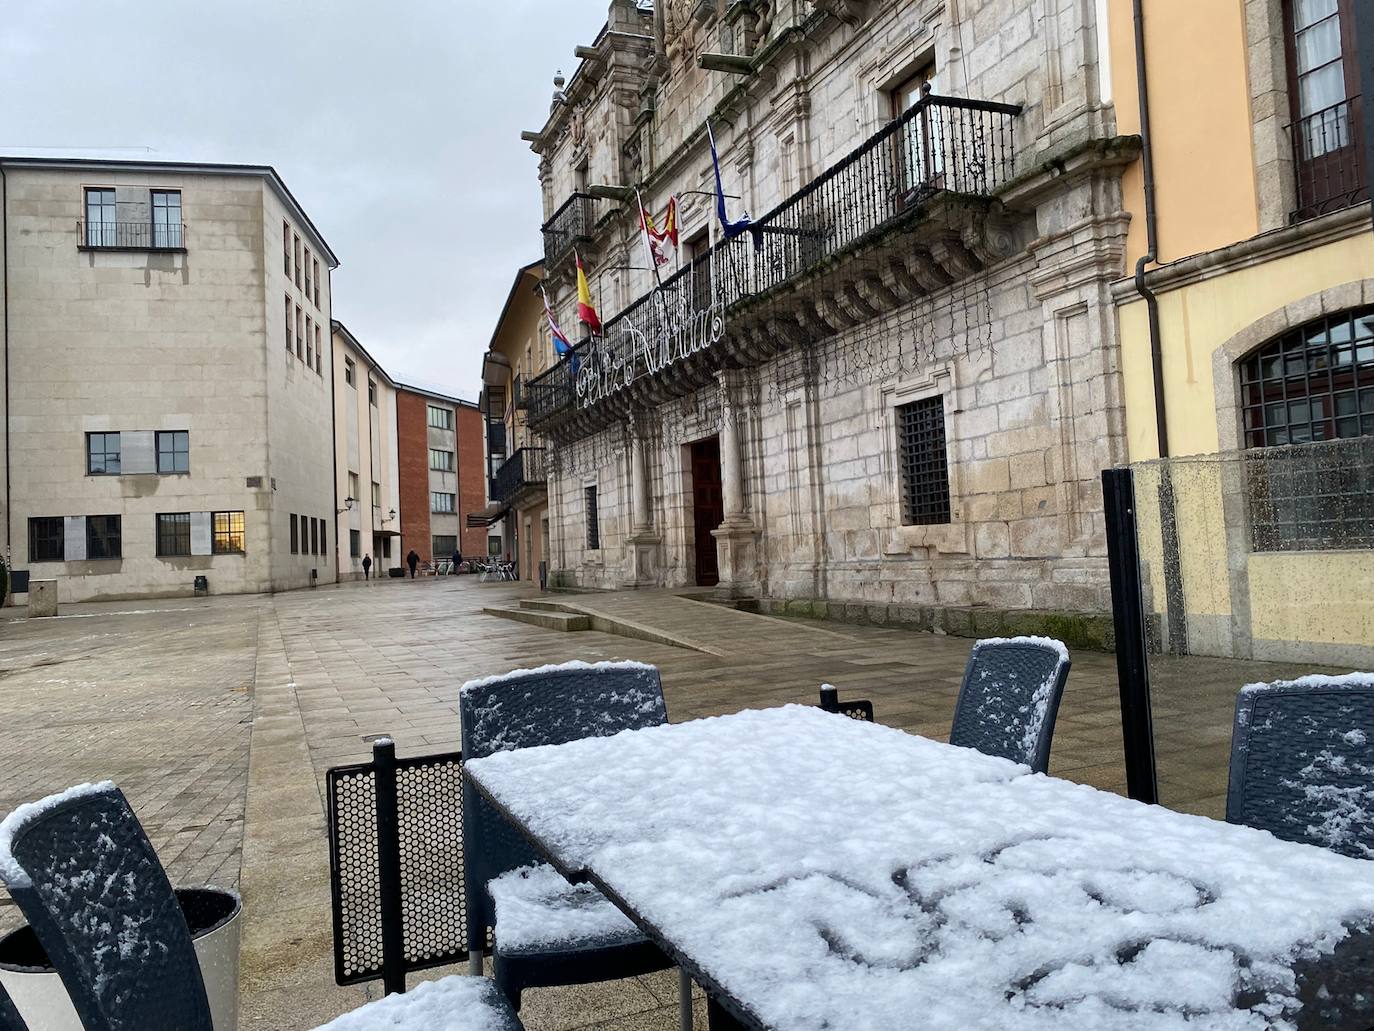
(568, 622)
(542, 605)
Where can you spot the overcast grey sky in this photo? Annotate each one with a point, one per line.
(396, 125)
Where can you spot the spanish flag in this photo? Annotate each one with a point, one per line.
(585, 311)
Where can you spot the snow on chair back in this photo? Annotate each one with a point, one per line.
(10, 1020)
(83, 872)
(1010, 697)
(547, 706)
(1302, 761)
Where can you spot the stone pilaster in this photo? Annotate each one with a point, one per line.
(644, 540)
(737, 536)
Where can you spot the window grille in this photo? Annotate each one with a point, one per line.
(47, 539)
(174, 533)
(103, 537)
(923, 464)
(593, 528)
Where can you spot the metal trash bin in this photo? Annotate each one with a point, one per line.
(201, 586)
(214, 916)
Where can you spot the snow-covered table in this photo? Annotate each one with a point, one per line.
(815, 872)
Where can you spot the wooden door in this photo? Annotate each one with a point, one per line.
(708, 508)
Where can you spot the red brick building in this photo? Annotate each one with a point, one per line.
(442, 475)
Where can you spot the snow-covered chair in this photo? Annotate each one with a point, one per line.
(10, 1020)
(546, 931)
(454, 1003)
(1010, 697)
(1302, 761)
(86, 877)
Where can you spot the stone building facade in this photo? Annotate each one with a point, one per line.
(892, 395)
(167, 397)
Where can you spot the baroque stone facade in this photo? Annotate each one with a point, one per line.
(960, 252)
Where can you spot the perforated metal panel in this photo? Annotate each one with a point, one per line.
(433, 912)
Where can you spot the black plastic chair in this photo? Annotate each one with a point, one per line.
(860, 709)
(1010, 697)
(545, 707)
(10, 1020)
(467, 1004)
(1302, 760)
(87, 879)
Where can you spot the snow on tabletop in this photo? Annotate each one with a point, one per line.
(830, 873)
(537, 909)
(11, 872)
(559, 667)
(456, 1003)
(1353, 679)
(1043, 642)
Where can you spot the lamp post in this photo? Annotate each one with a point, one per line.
(348, 506)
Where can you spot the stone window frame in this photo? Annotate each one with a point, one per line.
(1266, 48)
(875, 80)
(940, 379)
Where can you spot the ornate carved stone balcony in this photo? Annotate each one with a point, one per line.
(568, 227)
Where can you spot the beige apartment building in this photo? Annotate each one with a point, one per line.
(367, 471)
(518, 508)
(167, 404)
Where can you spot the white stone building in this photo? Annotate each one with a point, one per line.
(167, 365)
(892, 396)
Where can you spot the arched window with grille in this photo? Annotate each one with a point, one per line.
(1307, 405)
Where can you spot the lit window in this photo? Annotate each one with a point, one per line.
(226, 533)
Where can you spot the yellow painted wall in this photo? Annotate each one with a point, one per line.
(1200, 124)
(1195, 320)
(1326, 597)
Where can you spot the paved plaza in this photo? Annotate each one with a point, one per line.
(219, 717)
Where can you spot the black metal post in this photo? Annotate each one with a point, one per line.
(830, 698)
(1364, 40)
(389, 865)
(1128, 614)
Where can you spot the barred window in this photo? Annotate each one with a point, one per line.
(174, 451)
(173, 533)
(593, 526)
(103, 537)
(47, 539)
(922, 462)
(102, 454)
(440, 501)
(226, 533)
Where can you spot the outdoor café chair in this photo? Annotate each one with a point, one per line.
(86, 878)
(1009, 699)
(10, 1020)
(453, 1003)
(510, 890)
(1302, 756)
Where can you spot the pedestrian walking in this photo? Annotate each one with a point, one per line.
(412, 560)
(457, 560)
(367, 567)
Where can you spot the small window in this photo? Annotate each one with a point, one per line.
(440, 418)
(307, 273)
(102, 454)
(440, 501)
(309, 344)
(353, 486)
(286, 248)
(443, 546)
(102, 537)
(316, 296)
(173, 534)
(167, 227)
(493, 545)
(324, 542)
(174, 451)
(296, 256)
(593, 528)
(226, 533)
(47, 538)
(441, 460)
(295, 539)
(314, 536)
(386, 547)
(355, 543)
(350, 373)
(372, 393)
(300, 331)
(101, 227)
(376, 494)
(290, 346)
(923, 463)
(319, 353)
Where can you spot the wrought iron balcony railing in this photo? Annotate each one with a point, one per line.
(941, 145)
(130, 236)
(1329, 160)
(569, 226)
(522, 471)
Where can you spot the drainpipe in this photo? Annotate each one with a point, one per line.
(1174, 602)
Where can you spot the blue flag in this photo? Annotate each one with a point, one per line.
(731, 229)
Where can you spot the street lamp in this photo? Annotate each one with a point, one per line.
(391, 517)
(348, 506)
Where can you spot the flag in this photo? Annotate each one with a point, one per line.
(560, 339)
(731, 229)
(585, 311)
(651, 235)
(670, 222)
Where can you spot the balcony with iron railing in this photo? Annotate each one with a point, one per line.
(568, 227)
(905, 200)
(130, 236)
(520, 477)
(1329, 160)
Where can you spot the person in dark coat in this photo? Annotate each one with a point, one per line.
(367, 567)
(457, 560)
(412, 560)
